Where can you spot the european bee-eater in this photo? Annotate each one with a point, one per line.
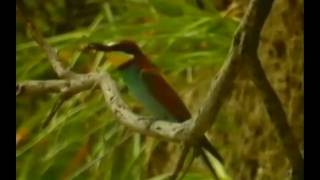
(146, 83)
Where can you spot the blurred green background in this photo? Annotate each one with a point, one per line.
(189, 40)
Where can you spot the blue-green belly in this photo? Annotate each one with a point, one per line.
(132, 77)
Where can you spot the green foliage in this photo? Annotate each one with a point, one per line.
(175, 34)
(167, 7)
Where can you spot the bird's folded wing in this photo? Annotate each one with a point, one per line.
(165, 94)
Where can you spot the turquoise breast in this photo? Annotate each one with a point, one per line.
(139, 89)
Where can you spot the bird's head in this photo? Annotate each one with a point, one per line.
(129, 49)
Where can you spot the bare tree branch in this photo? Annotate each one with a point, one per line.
(40, 87)
(278, 118)
(74, 85)
(146, 125)
(222, 85)
(50, 51)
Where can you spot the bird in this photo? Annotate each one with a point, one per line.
(148, 85)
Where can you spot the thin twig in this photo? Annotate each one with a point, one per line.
(180, 163)
(193, 156)
(56, 107)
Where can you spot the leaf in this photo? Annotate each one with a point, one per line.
(167, 7)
